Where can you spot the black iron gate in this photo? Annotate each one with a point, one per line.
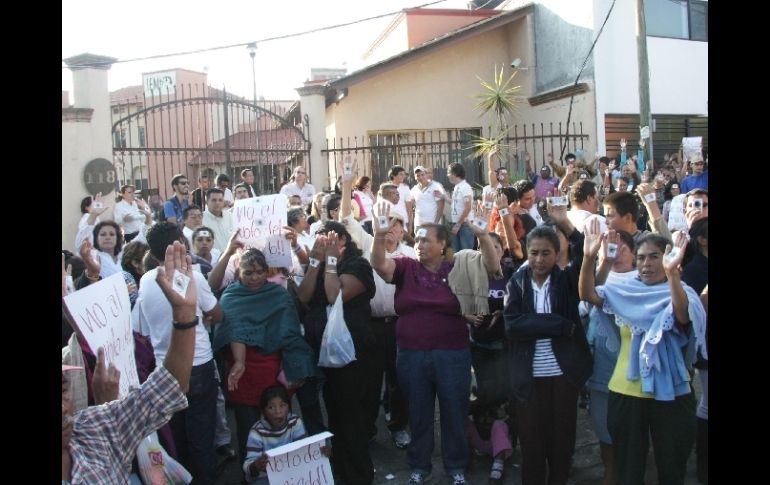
(198, 129)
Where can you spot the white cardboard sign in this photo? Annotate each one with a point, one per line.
(102, 314)
(300, 462)
(261, 220)
(676, 218)
(691, 146)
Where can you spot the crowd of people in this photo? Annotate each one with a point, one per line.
(505, 304)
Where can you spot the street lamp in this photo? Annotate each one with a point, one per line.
(253, 53)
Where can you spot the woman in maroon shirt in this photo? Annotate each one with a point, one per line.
(434, 357)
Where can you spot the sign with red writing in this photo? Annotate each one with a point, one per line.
(102, 314)
(261, 221)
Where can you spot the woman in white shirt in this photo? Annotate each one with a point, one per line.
(365, 198)
(131, 213)
(108, 245)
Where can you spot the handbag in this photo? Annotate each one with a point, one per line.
(337, 349)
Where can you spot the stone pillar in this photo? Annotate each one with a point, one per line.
(86, 135)
(313, 105)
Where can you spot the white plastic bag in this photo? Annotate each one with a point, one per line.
(156, 467)
(337, 349)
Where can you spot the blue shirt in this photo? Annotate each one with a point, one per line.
(695, 182)
(173, 208)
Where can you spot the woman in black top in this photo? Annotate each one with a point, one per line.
(336, 265)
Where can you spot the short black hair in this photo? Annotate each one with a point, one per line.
(395, 170)
(457, 169)
(271, 393)
(160, 236)
(623, 203)
(570, 155)
(523, 186)
(87, 200)
(186, 211)
(214, 190)
(222, 177)
(544, 232)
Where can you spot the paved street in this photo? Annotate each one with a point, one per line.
(587, 468)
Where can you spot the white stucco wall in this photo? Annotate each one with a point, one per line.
(678, 69)
(81, 143)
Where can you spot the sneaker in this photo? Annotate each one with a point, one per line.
(419, 477)
(401, 439)
(458, 479)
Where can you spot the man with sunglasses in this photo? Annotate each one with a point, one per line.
(699, 178)
(173, 208)
(298, 185)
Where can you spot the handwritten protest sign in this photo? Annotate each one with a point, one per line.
(300, 462)
(261, 220)
(691, 146)
(101, 312)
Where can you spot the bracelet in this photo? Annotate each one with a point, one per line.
(299, 248)
(186, 326)
(331, 271)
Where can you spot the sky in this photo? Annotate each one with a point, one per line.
(142, 28)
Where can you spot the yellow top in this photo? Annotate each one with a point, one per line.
(618, 382)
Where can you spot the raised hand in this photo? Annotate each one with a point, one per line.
(482, 214)
(93, 263)
(319, 247)
(593, 238)
(352, 164)
(557, 212)
(234, 244)
(291, 235)
(642, 142)
(673, 256)
(623, 144)
(332, 245)
(178, 261)
(382, 210)
(501, 201)
(106, 381)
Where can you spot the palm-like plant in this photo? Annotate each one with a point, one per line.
(502, 98)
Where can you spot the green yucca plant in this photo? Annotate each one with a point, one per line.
(502, 98)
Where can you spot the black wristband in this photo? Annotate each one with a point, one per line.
(186, 326)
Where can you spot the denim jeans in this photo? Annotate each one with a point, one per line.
(194, 427)
(423, 375)
(464, 238)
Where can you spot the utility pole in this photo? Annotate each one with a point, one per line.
(645, 114)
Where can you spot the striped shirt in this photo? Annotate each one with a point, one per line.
(105, 438)
(544, 362)
(263, 437)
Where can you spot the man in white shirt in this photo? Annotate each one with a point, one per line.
(193, 219)
(298, 186)
(428, 207)
(218, 219)
(247, 176)
(406, 201)
(383, 320)
(585, 205)
(497, 176)
(462, 208)
(194, 427)
(223, 183)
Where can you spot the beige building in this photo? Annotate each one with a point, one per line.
(425, 94)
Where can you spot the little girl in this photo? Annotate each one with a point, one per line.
(275, 428)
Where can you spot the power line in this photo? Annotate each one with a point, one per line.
(246, 44)
(585, 62)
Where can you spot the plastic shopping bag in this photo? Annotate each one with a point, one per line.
(156, 467)
(337, 349)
